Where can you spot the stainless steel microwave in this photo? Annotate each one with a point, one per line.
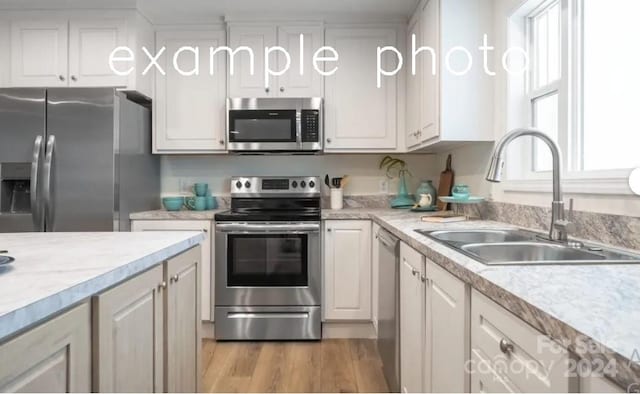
(275, 125)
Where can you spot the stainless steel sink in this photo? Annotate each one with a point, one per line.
(480, 236)
(521, 247)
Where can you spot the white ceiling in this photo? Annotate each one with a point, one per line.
(180, 11)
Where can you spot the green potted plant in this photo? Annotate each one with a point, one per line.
(398, 167)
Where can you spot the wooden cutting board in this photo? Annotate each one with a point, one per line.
(445, 185)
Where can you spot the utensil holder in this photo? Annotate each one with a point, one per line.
(336, 198)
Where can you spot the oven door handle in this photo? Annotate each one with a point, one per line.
(268, 228)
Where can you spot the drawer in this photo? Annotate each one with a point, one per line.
(525, 359)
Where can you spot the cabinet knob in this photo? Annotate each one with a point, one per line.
(282, 89)
(73, 78)
(328, 140)
(423, 278)
(174, 278)
(328, 230)
(60, 77)
(221, 142)
(266, 90)
(204, 230)
(414, 271)
(505, 346)
(162, 285)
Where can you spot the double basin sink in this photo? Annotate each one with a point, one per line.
(521, 247)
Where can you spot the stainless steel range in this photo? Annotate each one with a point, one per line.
(268, 260)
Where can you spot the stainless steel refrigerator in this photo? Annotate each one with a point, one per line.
(75, 159)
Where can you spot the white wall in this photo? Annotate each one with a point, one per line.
(470, 162)
(180, 172)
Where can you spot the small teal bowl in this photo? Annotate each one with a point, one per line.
(460, 192)
(173, 203)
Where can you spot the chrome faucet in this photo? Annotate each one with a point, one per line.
(560, 227)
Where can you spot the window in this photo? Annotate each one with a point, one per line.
(582, 86)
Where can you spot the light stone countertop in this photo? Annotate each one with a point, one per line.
(571, 303)
(54, 271)
(184, 214)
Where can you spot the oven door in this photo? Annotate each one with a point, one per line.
(262, 264)
(263, 130)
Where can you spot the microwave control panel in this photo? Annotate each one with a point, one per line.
(310, 125)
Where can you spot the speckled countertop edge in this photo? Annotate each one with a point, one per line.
(501, 285)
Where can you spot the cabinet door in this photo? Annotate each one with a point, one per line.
(243, 83)
(414, 87)
(430, 98)
(39, 53)
(190, 110)
(412, 318)
(53, 357)
(183, 323)
(90, 44)
(358, 115)
(347, 270)
(206, 261)
(449, 326)
(301, 80)
(128, 335)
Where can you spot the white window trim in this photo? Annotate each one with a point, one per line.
(520, 176)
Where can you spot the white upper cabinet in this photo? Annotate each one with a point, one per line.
(449, 108)
(302, 80)
(90, 44)
(244, 82)
(72, 49)
(359, 116)
(189, 110)
(347, 270)
(39, 53)
(297, 81)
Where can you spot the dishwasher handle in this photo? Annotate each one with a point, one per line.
(388, 240)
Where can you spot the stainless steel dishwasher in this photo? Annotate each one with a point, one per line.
(389, 307)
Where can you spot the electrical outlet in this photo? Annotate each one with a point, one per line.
(384, 186)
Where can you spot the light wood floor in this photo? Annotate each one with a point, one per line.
(334, 365)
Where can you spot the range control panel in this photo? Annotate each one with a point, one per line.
(259, 186)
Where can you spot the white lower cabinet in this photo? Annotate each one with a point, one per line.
(147, 330)
(347, 270)
(53, 357)
(207, 268)
(129, 335)
(434, 326)
(414, 347)
(509, 355)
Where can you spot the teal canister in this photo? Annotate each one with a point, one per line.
(426, 187)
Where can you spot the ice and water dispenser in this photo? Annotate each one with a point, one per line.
(15, 186)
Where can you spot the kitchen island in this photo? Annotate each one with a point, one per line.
(71, 304)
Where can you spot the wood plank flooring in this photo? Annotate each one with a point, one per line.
(331, 366)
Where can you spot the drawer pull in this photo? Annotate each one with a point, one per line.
(505, 346)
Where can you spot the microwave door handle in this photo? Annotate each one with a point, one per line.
(299, 128)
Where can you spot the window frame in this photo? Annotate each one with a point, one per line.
(521, 174)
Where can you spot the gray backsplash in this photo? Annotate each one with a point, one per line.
(623, 231)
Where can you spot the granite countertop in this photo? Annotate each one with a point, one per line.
(184, 214)
(54, 271)
(574, 304)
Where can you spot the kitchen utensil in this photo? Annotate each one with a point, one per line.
(336, 182)
(446, 181)
(426, 187)
(344, 181)
(326, 181)
(173, 203)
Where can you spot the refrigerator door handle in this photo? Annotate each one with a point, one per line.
(47, 192)
(36, 204)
